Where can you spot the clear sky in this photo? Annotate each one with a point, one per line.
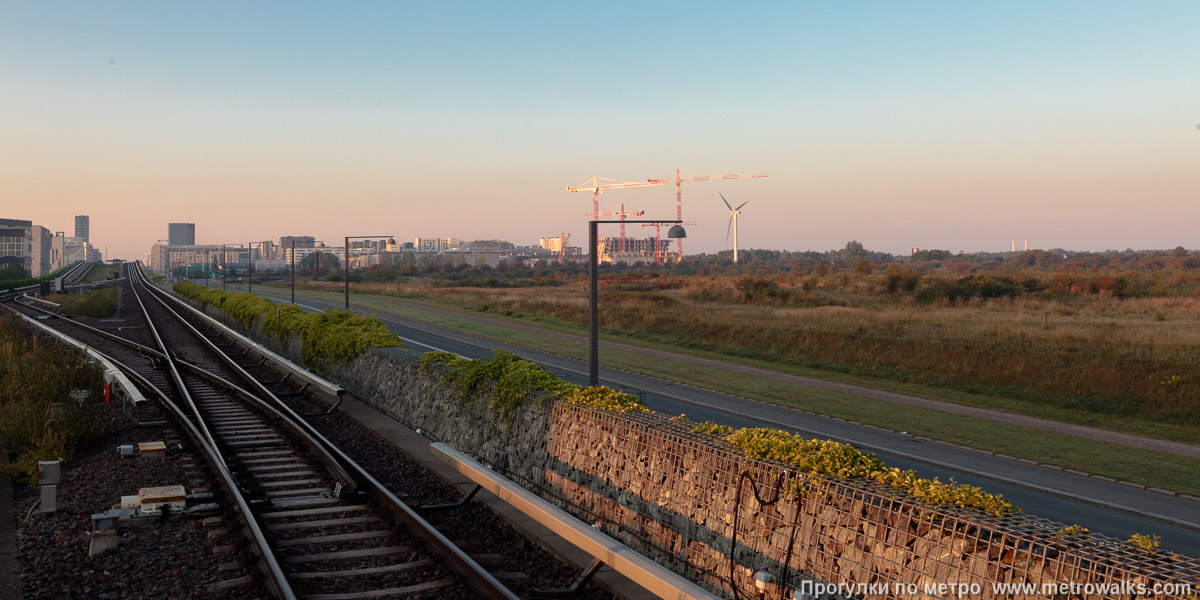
(954, 125)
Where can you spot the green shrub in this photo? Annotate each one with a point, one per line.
(98, 304)
(605, 398)
(38, 418)
(828, 458)
(507, 380)
(334, 335)
(9, 284)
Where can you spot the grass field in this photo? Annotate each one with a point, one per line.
(1149, 468)
(1119, 358)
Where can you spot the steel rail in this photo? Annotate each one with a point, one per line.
(277, 581)
(293, 422)
(217, 463)
(22, 300)
(9, 294)
(475, 575)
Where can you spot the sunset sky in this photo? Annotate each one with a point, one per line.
(952, 125)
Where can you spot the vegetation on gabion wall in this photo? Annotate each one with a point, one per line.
(506, 381)
(39, 420)
(827, 458)
(334, 335)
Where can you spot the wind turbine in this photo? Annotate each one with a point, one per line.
(733, 213)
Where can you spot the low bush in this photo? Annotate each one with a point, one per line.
(507, 381)
(98, 304)
(39, 420)
(9, 284)
(828, 458)
(333, 335)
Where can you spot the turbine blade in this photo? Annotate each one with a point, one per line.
(741, 205)
(727, 228)
(724, 200)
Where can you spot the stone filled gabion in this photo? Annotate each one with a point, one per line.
(677, 497)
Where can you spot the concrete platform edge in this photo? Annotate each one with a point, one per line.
(416, 447)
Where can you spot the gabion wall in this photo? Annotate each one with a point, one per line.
(722, 519)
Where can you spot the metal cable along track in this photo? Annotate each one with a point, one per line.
(315, 520)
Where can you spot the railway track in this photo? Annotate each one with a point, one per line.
(319, 525)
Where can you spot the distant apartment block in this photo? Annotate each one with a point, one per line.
(264, 250)
(637, 250)
(83, 228)
(488, 247)
(302, 241)
(553, 244)
(70, 250)
(338, 251)
(162, 258)
(445, 244)
(16, 244)
(181, 234)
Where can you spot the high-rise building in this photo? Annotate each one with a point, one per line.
(181, 234)
(83, 228)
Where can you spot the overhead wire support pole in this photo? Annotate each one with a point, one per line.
(346, 258)
(593, 303)
(594, 294)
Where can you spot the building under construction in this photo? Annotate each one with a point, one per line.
(637, 250)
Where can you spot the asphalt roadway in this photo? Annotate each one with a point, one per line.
(1109, 508)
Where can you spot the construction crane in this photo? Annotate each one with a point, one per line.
(598, 184)
(658, 249)
(621, 214)
(677, 180)
(562, 246)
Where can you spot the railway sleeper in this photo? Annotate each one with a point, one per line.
(390, 592)
(348, 554)
(416, 564)
(340, 537)
(319, 523)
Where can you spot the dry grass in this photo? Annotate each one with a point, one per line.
(1124, 357)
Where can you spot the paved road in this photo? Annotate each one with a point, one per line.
(1103, 507)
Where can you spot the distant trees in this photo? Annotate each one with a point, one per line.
(325, 260)
(896, 278)
(928, 255)
(853, 251)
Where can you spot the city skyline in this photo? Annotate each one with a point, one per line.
(958, 127)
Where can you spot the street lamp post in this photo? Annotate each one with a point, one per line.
(294, 266)
(224, 263)
(249, 268)
(346, 258)
(676, 231)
